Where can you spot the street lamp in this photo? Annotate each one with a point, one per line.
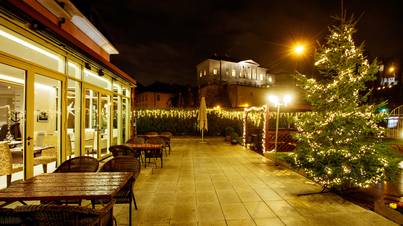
(299, 49)
(275, 100)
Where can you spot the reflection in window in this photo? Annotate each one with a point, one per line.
(47, 123)
(12, 105)
(73, 118)
(91, 123)
(104, 141)
(117, 120)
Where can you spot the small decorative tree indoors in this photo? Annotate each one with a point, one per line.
(335, 141)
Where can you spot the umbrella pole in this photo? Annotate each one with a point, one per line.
(202, 135)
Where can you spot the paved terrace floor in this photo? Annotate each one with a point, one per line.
(220, 184)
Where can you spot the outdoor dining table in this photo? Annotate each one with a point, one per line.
(66, 186)
(148, 149)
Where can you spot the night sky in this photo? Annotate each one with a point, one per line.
(165, 40)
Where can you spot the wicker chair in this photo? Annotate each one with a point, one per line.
(156, 140)
(123, 150)
(167, 138)
(46, 215)
(6, 162)
(124, 164)
(78, 164)
(10, 217)
(136, 140)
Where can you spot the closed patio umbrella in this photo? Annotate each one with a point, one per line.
(202, 118)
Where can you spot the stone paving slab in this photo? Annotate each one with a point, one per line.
(221, 184)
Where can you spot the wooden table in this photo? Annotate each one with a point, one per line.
(67, 186)
(149, 150)
(166, 138)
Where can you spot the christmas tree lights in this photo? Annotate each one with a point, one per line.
(333, 146)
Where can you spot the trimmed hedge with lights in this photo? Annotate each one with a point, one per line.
(184, 121)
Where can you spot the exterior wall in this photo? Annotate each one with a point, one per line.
(245, 72)
(62, 104)
(153, 100)
(234, 84)
(215, 94)
(242, 96)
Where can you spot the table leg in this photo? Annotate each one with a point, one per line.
(161, 157)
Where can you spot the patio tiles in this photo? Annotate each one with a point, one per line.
(220, 184)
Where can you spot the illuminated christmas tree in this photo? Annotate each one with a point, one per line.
(336, 145)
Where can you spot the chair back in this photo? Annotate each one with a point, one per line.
(122, 164)
(156, 140)
(6, 158)
(10, 217)
(166, 133)
(136, 140)
(63, 215)
(123, 150)
(78, 164)
(151, 133)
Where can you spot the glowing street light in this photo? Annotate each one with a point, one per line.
(299, 49)
(392, 69)
(275, 100)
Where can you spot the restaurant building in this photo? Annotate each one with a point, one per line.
(60, 96)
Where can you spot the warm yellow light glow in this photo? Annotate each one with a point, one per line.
(392, 69)
(274, 99)
(245, 105)
(299, 49)
(28, 45)
(287, 99)
(217, 107)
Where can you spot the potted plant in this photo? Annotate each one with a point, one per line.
(234, 138)
(228, 133)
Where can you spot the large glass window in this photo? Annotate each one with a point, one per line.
(47, 123)
(20, 46)
(12, 111)
(125, 120)
(104, 141)
(117, 120)
(91, 123)
(73, 118)
(74, 70)
(101, 81)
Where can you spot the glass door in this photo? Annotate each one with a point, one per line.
(12, 123)
(97, 123)
(105, 125)
(47, 123)
(91, 122)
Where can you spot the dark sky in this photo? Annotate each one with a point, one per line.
(164, 40)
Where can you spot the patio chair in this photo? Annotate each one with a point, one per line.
(159, 140)
(6, 164)
(136, 140)
(124, 164)
(45, 215)
(151, 133)
(123, 150)
(78, 164)
(10, 217)
(167, 138)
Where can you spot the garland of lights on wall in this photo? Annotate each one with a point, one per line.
(245, 117)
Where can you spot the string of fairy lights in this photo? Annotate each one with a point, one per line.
(254, 116)
(333, 133)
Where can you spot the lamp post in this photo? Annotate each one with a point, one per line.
(275, 100)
